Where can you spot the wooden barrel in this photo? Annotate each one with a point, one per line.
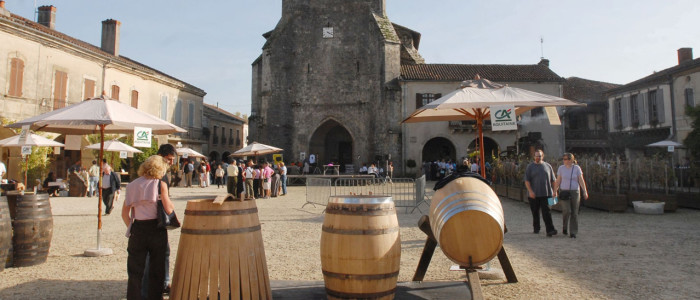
(467, 220)
(360, 247)
(33, 228)
(5, 232)
(221, 253)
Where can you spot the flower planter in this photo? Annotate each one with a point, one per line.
(648, 208)
(670, 200)
(501, 190)
(688, 200)
(604, 201)
(515, 193)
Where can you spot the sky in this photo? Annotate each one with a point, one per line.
(212, 43)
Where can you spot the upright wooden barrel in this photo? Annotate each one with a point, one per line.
(32, 228)
(221, 253)
(360, 247)
(5, 232)
(466, 217)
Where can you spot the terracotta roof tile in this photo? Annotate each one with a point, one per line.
(584, 90)
(225, 112)
(497, 73)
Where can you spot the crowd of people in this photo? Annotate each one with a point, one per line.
(439, 169)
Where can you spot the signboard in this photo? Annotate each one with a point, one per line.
(185, 155)
(26, 150)
(142, 137)
(73, 142)
(122, 154)
(302, 156)
(671, 148)
(277, 158)
(552, 115)
(503, 118)
(23, 135)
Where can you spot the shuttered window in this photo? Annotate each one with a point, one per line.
(89, 89)
(634, 110)
(16, 77)
(689, 100)
(617, 113)
(115, 92)
(190, 115)
(60, 89)
(164, 107)
(422, 99)
(135, 99)
(178, 113)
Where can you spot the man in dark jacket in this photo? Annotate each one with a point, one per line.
(111, 184)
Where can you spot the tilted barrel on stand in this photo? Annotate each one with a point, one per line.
(221, 253)
(5, 232)
(360, 247)
(466, 217)
(32, 223)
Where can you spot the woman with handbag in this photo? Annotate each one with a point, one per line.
(569, 182)
(140, 215)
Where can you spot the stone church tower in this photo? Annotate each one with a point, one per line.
(327, 82)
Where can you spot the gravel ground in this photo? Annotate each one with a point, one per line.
(616, 255)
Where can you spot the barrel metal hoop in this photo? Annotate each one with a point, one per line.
(443, 209)
(361, 276)
(220, 231)
(361, 231)
(221, 212)
(344, 295)
(360, 211)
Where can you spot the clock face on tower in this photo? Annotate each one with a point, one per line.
(327, 32)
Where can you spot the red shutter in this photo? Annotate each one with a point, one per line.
(16, 77)
(135, 99)
(115, 92)
(89, 89)
(60, 88)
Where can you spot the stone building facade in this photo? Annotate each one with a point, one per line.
(334, 80)
(224, 132)
(43, 69)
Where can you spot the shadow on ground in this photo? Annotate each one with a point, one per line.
(294, 290)
(92, 289)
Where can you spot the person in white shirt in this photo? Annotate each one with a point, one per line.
(363, 170)
(373, 171)
(3, 170)
(249, 180)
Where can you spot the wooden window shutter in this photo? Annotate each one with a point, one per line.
(660, 105)
(115, 92)
(437, 96)
(135, 99)
(16, 77)
(60, 88)
(643, 109)
(89, 89)
(625, 111)
(419, 100)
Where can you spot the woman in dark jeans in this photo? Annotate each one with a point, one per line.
(145, 238)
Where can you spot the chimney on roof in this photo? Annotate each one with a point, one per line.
(544, 62)
(3, 11)
(110, 36)
(47, 16)
(685, 55)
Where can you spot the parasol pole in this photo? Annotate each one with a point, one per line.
(99, 251)
(480, 126)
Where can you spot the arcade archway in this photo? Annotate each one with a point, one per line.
(331, 142)
(214, 156)
(439, 148)
(490, 148)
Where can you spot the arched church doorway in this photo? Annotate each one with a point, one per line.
(214, 157)
(331, 142)
(490, 148)
(439, 148)
(226, 156)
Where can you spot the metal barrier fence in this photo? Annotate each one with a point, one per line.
(405, 192)
(318, 190)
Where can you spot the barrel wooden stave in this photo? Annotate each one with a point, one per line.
(221, 253)
(5, 233)
(360, 250)
(32, 228)
(466, 217)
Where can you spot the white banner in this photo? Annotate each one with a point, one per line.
(503, 118)
(142, 137)
(26, 150)
(23, 134)
(122, 154)
(552, 115)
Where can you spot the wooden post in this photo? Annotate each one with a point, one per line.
(428, 249)
(617, 177)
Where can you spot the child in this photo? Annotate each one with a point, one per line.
(219, 176)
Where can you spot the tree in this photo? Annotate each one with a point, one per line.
(692, 141)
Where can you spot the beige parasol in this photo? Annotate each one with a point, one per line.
(32, 140)
(255, 149)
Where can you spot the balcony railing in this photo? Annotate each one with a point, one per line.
(467, 125)
(215, 141)
(586, 134)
